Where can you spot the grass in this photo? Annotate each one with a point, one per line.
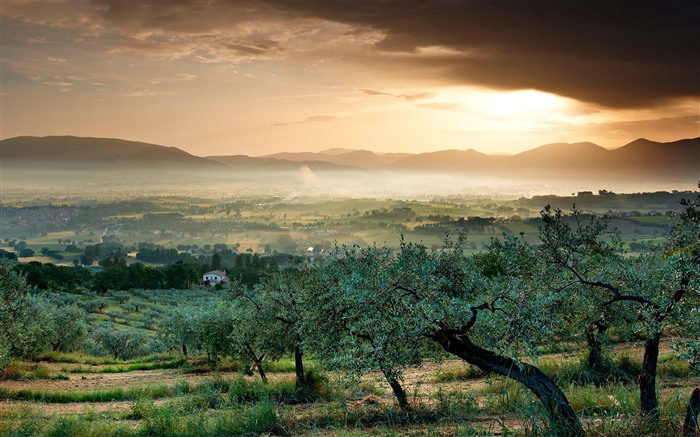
(82, 358)
(604, 401)
(238, 390)
(174, 364)
(108, 395)
(250, 419)
(18, 371)
(462, 373)
(245, 406)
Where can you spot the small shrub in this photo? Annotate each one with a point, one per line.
(455, 405)
(242, 390)
(363, 389)
(630, 366)
(675, 368)
(462, 373)
(140, 409)
(13, 372)
(41, 372)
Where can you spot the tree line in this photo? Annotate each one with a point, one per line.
(116, 274)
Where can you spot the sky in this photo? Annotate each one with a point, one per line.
(257, 77)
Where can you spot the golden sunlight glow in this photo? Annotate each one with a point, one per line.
(521, 102)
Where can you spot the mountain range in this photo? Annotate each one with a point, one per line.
(677, 160)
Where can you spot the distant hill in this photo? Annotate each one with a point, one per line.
(68, 152)
(681, 157)
(249, 163)
(348, 157)
(640, 159)
(448, 160)
(560, 155)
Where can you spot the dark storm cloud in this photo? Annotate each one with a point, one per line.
(616, 53)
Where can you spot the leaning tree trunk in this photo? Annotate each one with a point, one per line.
(299, 366)
(647, 379)
(690, 425)
(261, 372)
(184, 350)
(397, 389)
(562, 416)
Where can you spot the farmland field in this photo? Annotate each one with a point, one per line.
(102, 397)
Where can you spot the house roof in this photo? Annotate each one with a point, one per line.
(216, 272)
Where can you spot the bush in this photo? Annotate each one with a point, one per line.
(119, 342)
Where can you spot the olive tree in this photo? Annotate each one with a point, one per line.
(65, 326)
(177, 328)
(491, 317)
(22, 324)
(211, 329)
(353, 317)
(653, 285)
(255, 335)
(377, 306)
(119, 342)
(282, 298)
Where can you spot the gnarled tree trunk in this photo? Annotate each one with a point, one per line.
(562, 416)
(647, 380)
(299, 366)
(397, 389)
(690, 425)
(595, 351)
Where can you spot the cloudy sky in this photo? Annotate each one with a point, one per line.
(263, 76)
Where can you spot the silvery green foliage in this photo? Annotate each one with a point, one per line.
(177, 327)
(211, 330)
(519, 314)
(684, 251)
(65, 324)
(360, 320)
(21, 320)
(374, 305)
(256, 334)
(119, 342)
(282, 297)
(588, 264)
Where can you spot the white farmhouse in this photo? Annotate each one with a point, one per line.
(214, 277)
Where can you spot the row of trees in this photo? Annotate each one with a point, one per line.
(117, 275)
(375, 309)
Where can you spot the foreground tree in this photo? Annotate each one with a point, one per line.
(378, 306)
(65, 326)
(177, 328)
(282, 297)
(21, 319)
(652, 286)
(354, 318)
(256, 334)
